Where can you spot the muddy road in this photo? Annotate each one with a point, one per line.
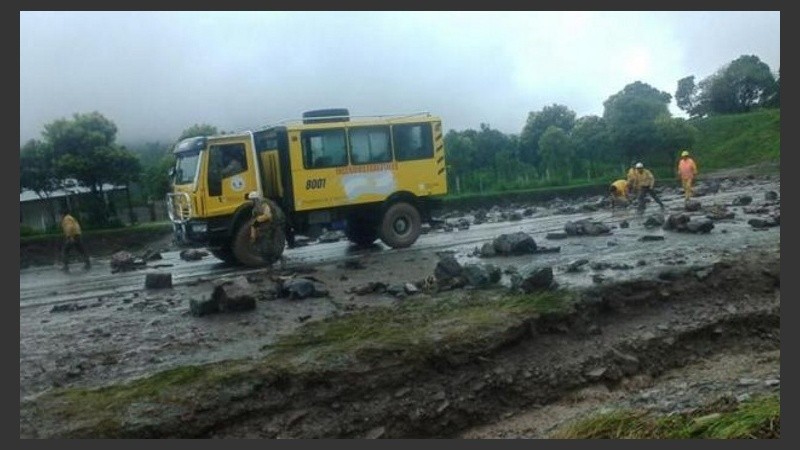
(92, 328)
(41, 286)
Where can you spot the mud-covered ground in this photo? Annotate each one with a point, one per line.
(96, 328)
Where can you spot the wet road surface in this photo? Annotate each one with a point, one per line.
(47, 285)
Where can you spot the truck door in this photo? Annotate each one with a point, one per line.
(231, 175)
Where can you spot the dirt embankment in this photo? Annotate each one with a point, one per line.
(608, 337)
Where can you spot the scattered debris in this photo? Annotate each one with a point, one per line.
(586, 227)
(193, 254)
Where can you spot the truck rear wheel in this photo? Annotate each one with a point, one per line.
(401, 225)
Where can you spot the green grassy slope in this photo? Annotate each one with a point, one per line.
(738, 140)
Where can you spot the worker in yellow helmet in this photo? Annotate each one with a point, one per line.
(687, 171)
(642, 185)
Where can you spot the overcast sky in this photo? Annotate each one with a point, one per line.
(156, 73)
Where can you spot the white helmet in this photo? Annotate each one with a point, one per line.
(253, 195)
(639, 165)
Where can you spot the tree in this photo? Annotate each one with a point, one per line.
(156, 178)
(773, 98)
(84, 148)
(555, 115)
(686, 94)
(125, 168)
(460, 151)
(738, 87)
(751, 82)
(592, 144)
(556, 152)
(38, 172)
(151, 153)
(198, 130)
(489, 143)
(673, 134)
(630, 115)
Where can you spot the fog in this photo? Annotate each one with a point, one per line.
(156, 73)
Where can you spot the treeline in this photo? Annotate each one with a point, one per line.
(554, 147)
(557, 148)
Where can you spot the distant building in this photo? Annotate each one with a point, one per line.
(34, 212)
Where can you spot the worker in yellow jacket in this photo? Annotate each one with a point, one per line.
(642, 185)
(687, 171)
(619, 193)
(72, 239)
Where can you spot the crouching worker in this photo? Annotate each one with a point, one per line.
(619, 194)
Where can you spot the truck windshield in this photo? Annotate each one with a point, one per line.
(186, 167)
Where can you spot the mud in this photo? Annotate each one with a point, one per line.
(681, 307)
(613, 333)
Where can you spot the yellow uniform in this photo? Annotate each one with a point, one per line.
(72, 239)
(261, 215)
(642, 178)
(687, 170)
(620, 189)
(619, 193)
(70, 226)
(642, 184)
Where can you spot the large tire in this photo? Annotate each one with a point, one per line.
(401, 225)
(361, 231)
(250, 254)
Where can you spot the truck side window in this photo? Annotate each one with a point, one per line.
(224, 161)
(412, 141)
(370, 145)
(324, 149)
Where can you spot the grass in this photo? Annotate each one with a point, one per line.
(102, 411)
(738, 140)
(758, 418)
(415, 330)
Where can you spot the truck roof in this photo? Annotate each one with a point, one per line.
(198, 143)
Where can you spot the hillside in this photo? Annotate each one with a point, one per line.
(738, 140)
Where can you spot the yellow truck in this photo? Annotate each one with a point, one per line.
(374, 177)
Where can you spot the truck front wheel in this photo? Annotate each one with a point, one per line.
(269, 244)
(267, 248)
